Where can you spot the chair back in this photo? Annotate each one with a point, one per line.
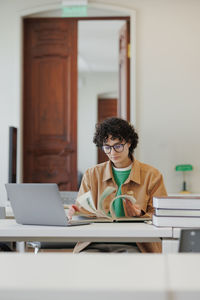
(2, 212)
(68, 197)
(190, 240)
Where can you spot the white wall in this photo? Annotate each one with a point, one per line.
(167, 81)
(168, 87)
(92, 84)
(9, 85)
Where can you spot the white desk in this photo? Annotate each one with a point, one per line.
(97, 232)
(99, 276)
(83, 276)
(183, 272)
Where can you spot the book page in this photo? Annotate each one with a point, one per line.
(130, 198)
(85, 201)
(108, 191)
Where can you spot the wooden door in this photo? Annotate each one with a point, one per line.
(124, 72)
(106, 108)
(50, 102)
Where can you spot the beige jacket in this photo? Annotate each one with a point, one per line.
(143, 183)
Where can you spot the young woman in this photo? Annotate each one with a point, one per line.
(118, 139)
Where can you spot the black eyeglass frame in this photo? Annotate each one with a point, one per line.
(113, 148)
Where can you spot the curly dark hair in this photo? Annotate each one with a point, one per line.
(118, 129)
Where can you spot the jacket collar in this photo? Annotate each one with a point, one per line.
(107, 171)
(134, 175)
(135, 172)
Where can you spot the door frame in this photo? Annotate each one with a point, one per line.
(131, 13)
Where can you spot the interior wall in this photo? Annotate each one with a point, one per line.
(91, 85)
(167, 82)
(168, 89)
(9, 86)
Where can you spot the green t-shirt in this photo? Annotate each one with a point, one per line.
(120, 177)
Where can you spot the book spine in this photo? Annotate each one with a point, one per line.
(177, 204)
(176, 221)
(177, 212)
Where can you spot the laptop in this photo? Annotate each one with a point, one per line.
(38, 204)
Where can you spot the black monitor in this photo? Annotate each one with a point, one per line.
(12, 164)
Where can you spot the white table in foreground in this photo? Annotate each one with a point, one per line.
(99, 276)
(84, 276)
(96, 232)
(183, 276)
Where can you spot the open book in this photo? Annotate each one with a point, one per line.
(91, 213)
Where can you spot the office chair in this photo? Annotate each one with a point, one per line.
(68, 198)
(190, 240)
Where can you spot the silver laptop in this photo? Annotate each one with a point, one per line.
(38, 204)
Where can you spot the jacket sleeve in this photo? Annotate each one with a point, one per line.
(156, 188)
(85, 184)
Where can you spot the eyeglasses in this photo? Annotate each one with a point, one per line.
(118, 148)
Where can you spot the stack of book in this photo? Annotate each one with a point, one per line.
(176, 211)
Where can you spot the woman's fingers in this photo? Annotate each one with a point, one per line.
(71, 211)
(75, 207)
(131, 209)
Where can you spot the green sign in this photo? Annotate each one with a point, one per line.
(184, 168)
(74, 11)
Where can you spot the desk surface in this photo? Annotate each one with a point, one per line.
(83, 276)
(183, 274)
(99, 276)
(116, 232)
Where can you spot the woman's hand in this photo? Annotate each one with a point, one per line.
(71, 211)
(132, 210)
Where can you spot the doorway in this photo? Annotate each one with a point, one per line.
(107, 107)
(48, 163)
(98, 73)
